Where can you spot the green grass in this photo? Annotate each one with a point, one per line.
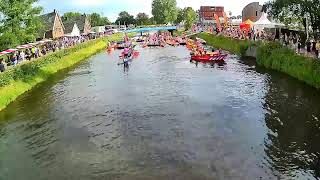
(24, 77)
(232, 45)
(272, 55)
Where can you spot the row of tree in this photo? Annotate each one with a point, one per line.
(296, 12)
(96, 19)
(20, 22)
(164, 12)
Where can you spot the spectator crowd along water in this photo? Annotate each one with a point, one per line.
(309, 47)
(32, 51)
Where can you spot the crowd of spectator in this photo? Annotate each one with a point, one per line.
(309, 47)
(41, 49)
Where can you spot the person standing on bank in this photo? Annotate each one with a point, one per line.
(318, 49)
(2, 68)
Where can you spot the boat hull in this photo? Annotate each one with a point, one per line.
(208, 58)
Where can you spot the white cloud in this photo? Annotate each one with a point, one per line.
(111, 8)
(87, 2)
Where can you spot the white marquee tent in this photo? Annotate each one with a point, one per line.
(264, 22)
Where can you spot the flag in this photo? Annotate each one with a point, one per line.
(218, 22)
(225, 19)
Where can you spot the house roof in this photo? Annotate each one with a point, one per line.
(68, 25)
(80, 21)
(48, 20)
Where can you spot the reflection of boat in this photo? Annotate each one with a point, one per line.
(153, 45)
(172, 43)
(209, 58)
(201, 41)
(122, 45)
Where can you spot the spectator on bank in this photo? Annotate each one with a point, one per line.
(308, 47)
(28, 54)
(22, 56)
(318, 49)
(314, 49)
(14, 60)
(2, 68)
(299, 45)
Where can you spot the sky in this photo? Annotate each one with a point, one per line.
(111, 8)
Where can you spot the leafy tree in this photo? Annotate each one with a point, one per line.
(186, 15)
(98, 20)
(190, 17)
(291, 11)
(142, 19)
(8, 40)
(125, 18)
(164, 11)
(72, 16)
(152, 21)
(180, 16)
(19, 22)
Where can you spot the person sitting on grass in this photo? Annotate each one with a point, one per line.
(2, 68)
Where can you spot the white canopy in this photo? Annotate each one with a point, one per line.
(264, 22)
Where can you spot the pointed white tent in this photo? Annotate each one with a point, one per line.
(264, 22)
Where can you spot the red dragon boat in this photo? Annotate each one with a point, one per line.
(209, 58)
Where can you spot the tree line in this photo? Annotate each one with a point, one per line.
(20, 22)
(163, 12)
(296, 12)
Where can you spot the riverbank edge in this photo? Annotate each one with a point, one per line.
(24, 77)
(271, 55)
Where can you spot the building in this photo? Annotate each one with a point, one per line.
(206, 13)
(252, 11)
(71, 29)
(98, 29)
(84, 24)
(52, 26)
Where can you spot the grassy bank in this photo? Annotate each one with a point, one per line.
(272, 56)
(24, 77)
(232, 45)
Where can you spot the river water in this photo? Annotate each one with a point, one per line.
(163, 118)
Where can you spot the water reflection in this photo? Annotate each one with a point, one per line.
(293, 113)
(164, 118)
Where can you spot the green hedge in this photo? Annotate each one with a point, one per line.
(283, 59)
(272, 55)
(22, 78)
(233, 45)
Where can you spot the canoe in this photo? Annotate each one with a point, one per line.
(208, 58)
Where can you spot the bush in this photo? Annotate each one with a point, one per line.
(283, 59)
(233, 45)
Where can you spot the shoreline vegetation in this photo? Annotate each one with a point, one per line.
(272, 55)
(18, 80)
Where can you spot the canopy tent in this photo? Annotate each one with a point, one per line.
(246, 24)
(264, 22)
(8, 51)
(25, 46)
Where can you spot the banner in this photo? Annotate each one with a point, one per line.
(218, 22)
(226, 23)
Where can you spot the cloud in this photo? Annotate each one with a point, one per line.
(111, 8)
(87, 3)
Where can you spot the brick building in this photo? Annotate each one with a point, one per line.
(252, 11)
(206, 13)
(52, 26)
